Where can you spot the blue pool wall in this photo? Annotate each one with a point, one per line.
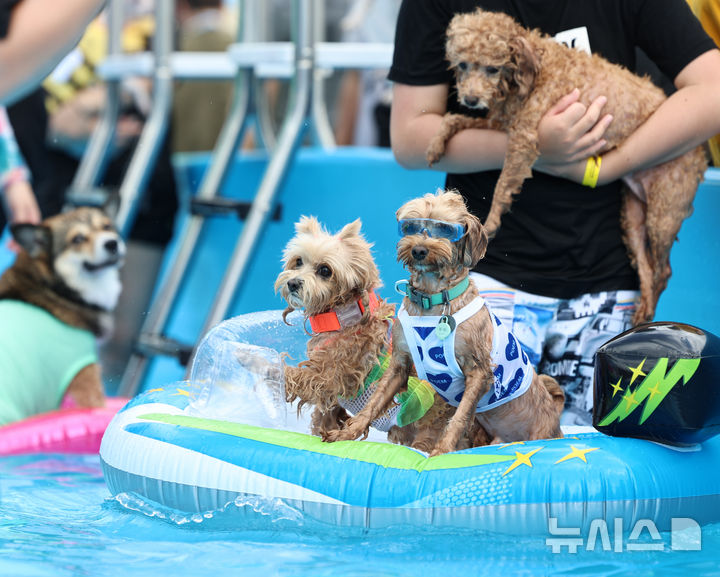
(340, 186)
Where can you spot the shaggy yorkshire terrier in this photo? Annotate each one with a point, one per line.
(454, 341)
(516, 75)
(332, 279)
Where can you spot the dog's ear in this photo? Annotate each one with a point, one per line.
(35, 239)
(476, 241)
(112, 204)
(351, 229)
(527, 64)
(308, 225)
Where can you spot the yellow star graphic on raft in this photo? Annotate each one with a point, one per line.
(616, 387)
(637, 371)
(158, 390)
(183, 393)
(576, 453)
(521, 459)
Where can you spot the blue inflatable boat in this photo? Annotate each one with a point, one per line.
(171, 446)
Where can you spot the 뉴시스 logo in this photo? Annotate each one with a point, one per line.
(685, 535)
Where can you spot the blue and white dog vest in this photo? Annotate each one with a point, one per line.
(435, 360)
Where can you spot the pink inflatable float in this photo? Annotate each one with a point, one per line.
(66, 430)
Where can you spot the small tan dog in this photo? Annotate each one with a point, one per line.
(451, 338)
(55, 301)
(516, 75)
(332, 278)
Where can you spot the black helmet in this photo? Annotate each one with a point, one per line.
(659, 381)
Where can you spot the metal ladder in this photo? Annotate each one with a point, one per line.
(151, 341)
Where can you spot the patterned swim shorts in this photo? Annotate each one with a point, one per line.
(560, 336)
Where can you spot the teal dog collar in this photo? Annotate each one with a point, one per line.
(427, 301)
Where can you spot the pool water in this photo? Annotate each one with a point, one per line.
(58, 519)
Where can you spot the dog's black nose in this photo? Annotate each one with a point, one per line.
(111, 246)
(471, 101)
(294, 284)
(419, 252)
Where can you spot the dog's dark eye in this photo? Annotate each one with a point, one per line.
(492, 70)
(107, 226)
(462, 66)
(78, 239)
(298, 262)
(324, 271)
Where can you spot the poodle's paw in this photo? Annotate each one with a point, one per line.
(435, 151)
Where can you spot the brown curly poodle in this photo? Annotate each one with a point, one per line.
(517, 75)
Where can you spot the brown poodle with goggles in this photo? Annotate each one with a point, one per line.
(445, 331)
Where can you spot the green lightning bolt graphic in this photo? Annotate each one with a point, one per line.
(654, 388)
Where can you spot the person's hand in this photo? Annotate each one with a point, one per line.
(20, 202)
(21, 206)
(570, 131)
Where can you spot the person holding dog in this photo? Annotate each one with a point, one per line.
(558, 272)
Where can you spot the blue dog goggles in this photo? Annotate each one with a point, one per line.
(433, 228)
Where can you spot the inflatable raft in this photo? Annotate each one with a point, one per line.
(196, 446)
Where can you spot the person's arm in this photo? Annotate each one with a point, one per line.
(41, 32)
(568, 132)
(685, 120)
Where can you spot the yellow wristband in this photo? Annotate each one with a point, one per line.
(592, 171)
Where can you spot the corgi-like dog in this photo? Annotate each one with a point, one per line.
(56, 300)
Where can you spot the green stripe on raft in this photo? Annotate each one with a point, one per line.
(383, 454)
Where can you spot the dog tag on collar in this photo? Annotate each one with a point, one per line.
(446, 325)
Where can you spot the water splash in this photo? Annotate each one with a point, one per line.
(262, 510)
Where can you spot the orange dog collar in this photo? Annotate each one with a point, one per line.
(342, 317)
